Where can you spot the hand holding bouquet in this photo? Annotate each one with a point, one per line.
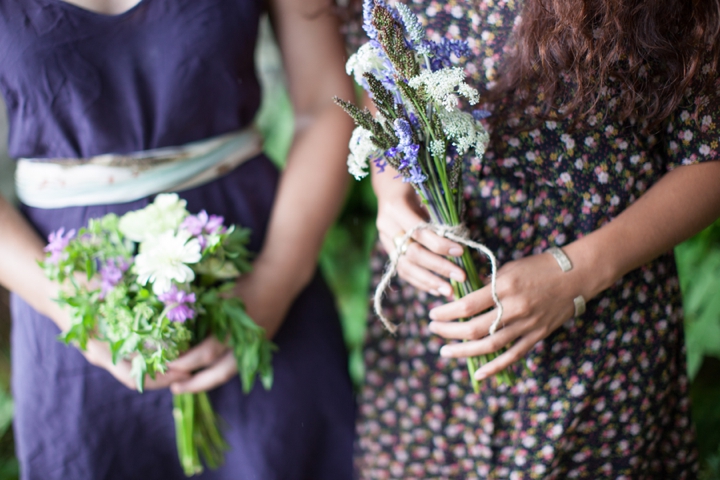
(420, 131)
(151, 284)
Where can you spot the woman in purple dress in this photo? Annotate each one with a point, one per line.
(88, 77)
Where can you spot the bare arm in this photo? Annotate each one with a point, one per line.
(311, 188)
(537, 295)
(21, 248)
(313, 185)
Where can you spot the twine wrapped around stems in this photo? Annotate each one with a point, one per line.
(457, 233)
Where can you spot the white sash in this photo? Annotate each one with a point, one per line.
(121, 178)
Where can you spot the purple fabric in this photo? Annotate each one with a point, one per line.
(167, 72)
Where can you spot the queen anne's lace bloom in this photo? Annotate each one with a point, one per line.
(445, 86)
(165, 258)
(464, 131)
(362, 150)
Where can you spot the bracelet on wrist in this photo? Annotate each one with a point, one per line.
(566, 265)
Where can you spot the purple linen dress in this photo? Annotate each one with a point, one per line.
(167, 72)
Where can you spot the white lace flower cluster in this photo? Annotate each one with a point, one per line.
(362, 149)
(464, 131)
(368, 59)
(445, 86)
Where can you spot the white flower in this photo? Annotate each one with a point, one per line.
(368, 59)
(361, 149)
(165, 213)
(165, 257)
(445, 85)
(437, 148)
(464, 131)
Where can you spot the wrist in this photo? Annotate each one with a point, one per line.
(592, 269)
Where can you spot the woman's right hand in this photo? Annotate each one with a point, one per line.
(423, 264)
(98, 354)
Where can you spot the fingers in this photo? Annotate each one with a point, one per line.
(436, 243)
(400, 217)
(423, 279)
(486, 345)
(473, 329)
(202, 355)
(466, 307)
(164, 380)
(416, 253)
(217, 374)
(507, 358)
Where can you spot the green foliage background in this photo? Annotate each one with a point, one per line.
(345, 263)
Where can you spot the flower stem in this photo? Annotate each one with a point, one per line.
(197, 431)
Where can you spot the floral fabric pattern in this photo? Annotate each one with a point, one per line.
(604, 396)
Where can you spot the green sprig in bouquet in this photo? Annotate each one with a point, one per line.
(420, 131)
(151, 284)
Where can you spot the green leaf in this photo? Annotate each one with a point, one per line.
(137, 371)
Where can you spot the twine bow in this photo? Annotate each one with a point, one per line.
(459, 234)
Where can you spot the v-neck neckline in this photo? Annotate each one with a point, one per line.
(93, 13)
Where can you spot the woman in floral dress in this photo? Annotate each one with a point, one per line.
(611, 177)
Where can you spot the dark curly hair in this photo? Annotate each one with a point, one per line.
(649, 51)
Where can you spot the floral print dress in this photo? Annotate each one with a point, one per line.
(605, 395)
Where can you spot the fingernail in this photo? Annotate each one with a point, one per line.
(445, 290)
(480, 375)
(457, 276)
(444, 352)
(432, 315)
(431, 327)
(434, 292)
(455, 251)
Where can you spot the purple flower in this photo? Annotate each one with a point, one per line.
(214, 224)
(409, 166)
(57, 241)
(480, 114)
(442, 51)
(380, 164)
(202, 223)
(181, 313)
(176, 301)
(403, 131)
(111, 274)
(368, 6)
(416, 175)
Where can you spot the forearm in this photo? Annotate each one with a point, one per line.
(310, 195)
(681, 204)
(21, 249)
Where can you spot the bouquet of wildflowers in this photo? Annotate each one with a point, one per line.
(151, 283)
(419, 129)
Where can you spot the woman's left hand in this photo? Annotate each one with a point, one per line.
(537, 297)
(212, 362)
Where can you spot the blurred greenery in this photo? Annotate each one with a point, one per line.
(698, 261)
